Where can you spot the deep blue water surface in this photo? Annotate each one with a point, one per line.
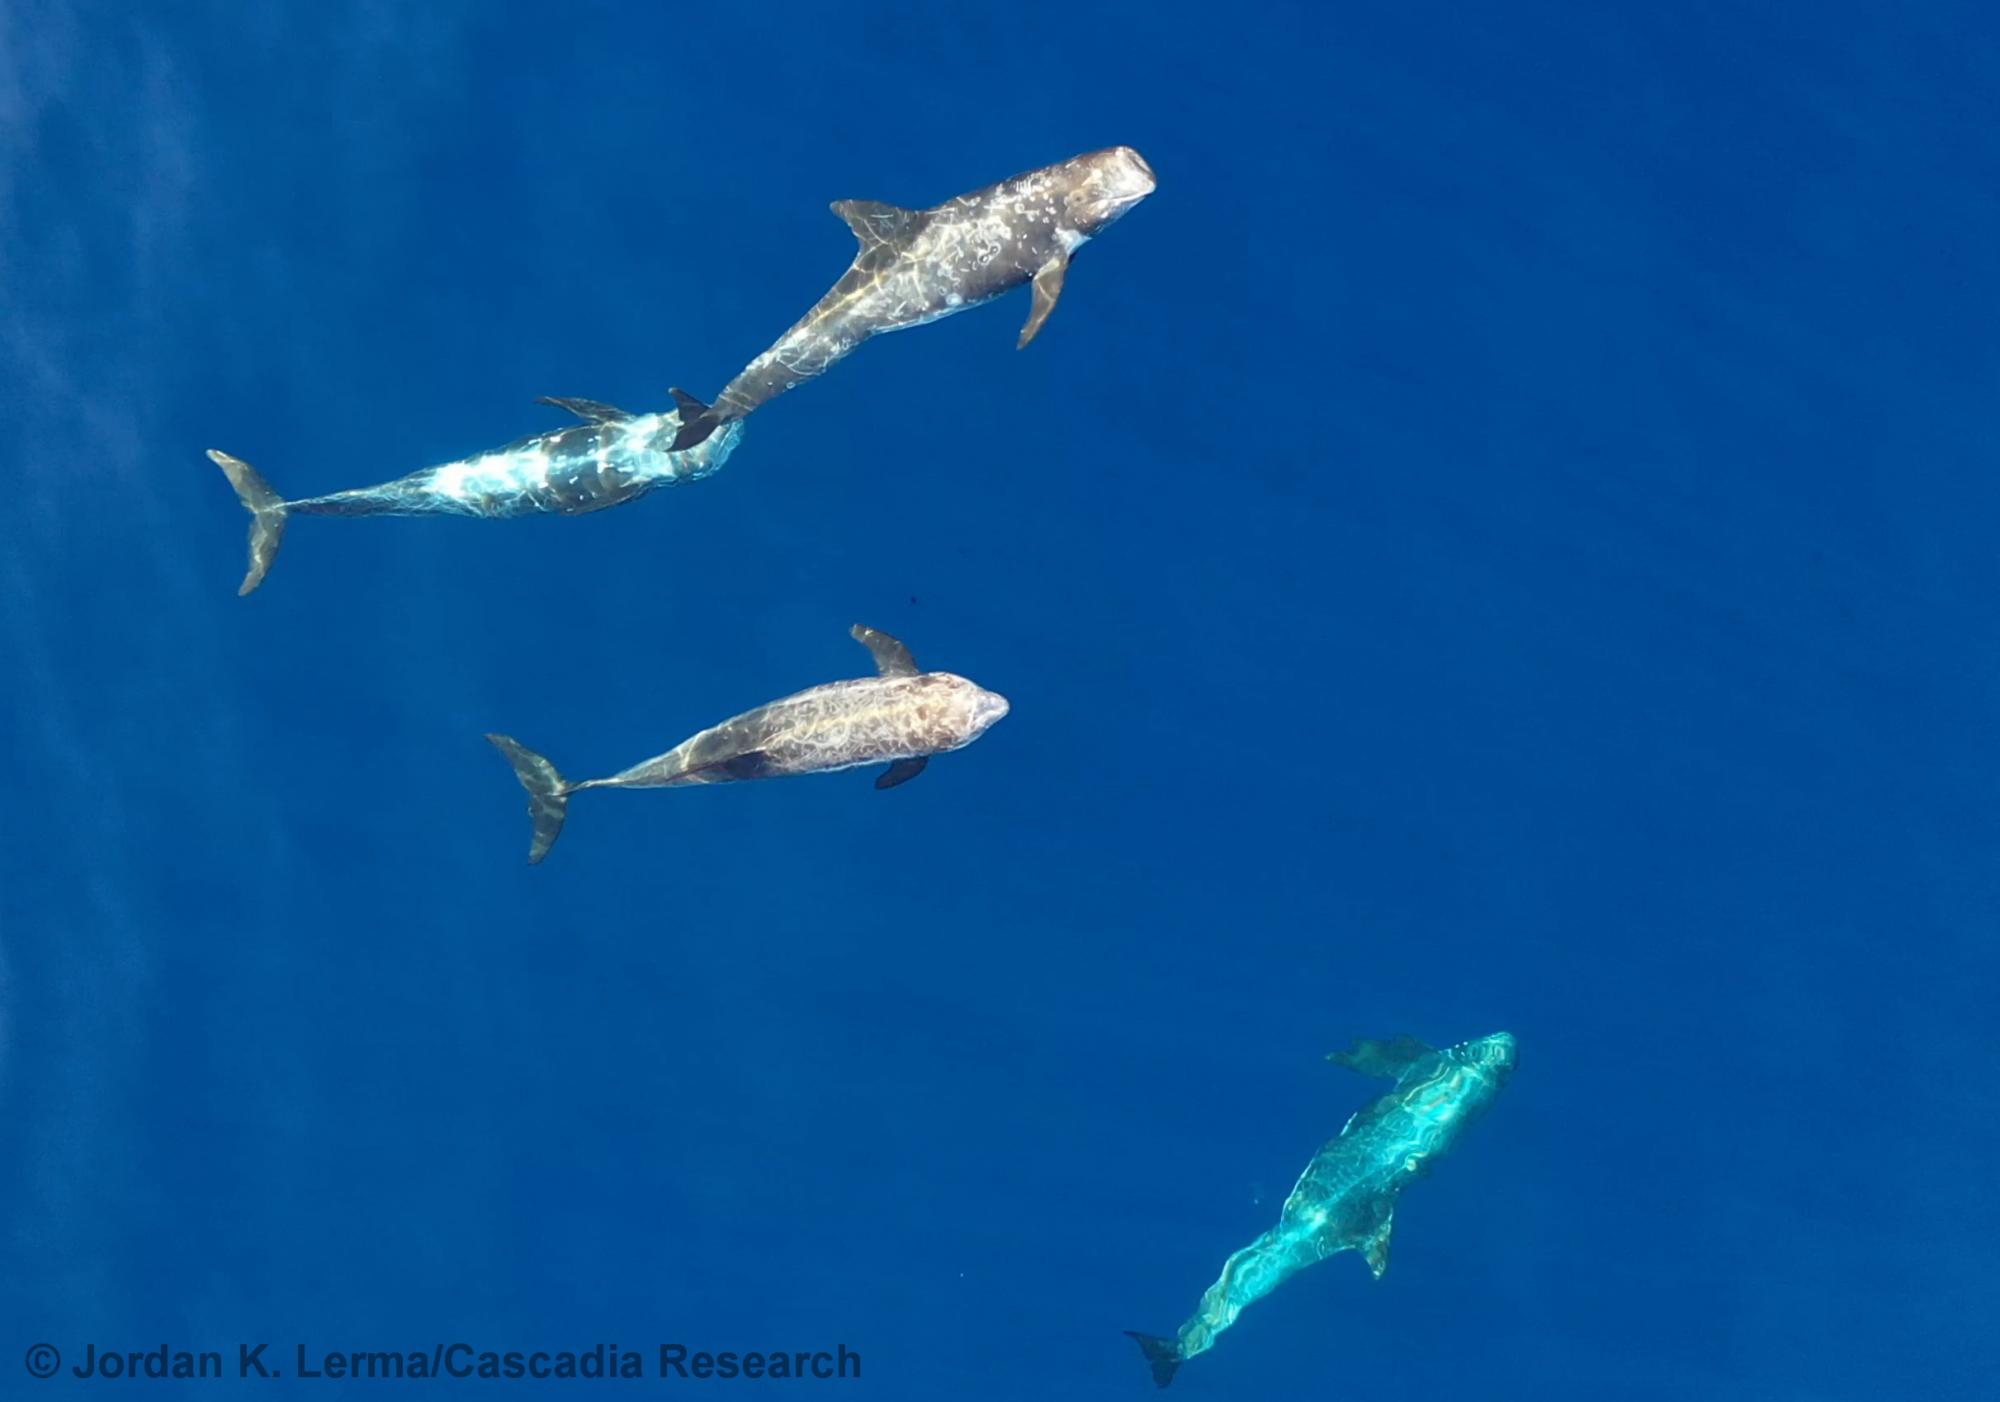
(1504, 538)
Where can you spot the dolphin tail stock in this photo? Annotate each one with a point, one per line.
(1163, 1354)
(698, 420)
(267, 515)
(548, 793)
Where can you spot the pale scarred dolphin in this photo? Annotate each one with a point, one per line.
(916, 265)
(899, 717)
(1346, 1198)
(612, 457)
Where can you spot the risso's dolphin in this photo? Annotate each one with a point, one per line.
(916, 265)
(899, 717)
(1346, 1198)
(610, 458)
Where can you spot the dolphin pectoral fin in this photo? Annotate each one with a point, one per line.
(698, 420)
(589, 410)
(892, 659)
(1375, 1250)
(901, 772)
(875, 223)
(1048, 287)
(1389, 1059)
(1163, 1354)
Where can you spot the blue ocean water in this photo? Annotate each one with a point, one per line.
(1501, 539)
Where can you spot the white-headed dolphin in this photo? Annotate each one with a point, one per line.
(916, 265)
(899, 717)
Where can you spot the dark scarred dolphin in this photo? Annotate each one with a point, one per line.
(612, 457)
(916, 265)
(1346, 1198)
(899, 717)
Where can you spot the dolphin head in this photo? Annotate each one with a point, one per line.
(987, 707)
(1494, 1054)
(951, 712)
(1105, 184)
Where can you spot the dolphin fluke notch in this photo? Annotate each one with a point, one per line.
(698, 420)
(1163, 1354)
(267, 515)
(548, 795)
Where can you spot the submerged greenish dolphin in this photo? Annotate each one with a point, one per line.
(612, 457)
(1346, 1198)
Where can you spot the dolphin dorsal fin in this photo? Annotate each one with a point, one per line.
(1390, 1059)
(892, 659)
(589, 410)
(875, 223)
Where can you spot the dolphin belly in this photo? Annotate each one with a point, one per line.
(611, 458)
(568, 473)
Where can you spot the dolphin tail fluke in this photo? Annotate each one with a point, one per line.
(1163, 1354)
(698, 420)
(548, 795)
(267, 515)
